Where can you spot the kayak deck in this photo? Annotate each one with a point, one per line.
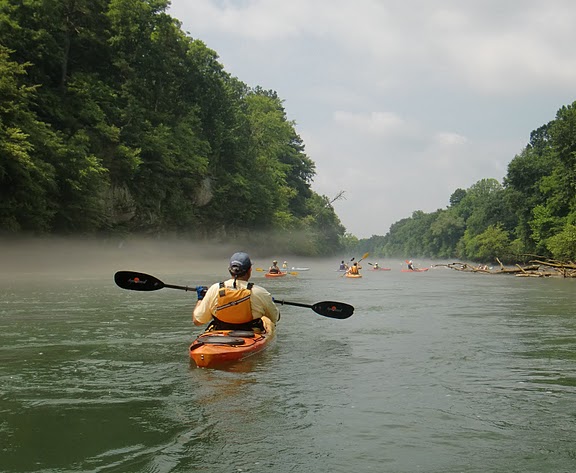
(275, 275)
(218, 348)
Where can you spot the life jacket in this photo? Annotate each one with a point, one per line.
(233, 305)
(353, 269)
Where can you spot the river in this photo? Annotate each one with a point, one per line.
(438, 372)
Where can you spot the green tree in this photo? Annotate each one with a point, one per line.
(457, 197)
(446, 231)
(562, 246)
(524, 188)
(544, 224)
(27, 182)
(493, 243)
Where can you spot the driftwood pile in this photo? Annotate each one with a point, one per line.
(537, 268)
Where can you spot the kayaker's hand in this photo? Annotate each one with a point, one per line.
(201, 291)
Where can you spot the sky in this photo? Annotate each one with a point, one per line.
(399, 103)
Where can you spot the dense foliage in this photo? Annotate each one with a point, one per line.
(113, 120)
(532, 212)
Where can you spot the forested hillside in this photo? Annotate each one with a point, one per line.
(533, 212)
(114, 121)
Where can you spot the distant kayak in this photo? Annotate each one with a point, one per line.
(275, 275)
(415, 270)
(381, 269)
(300, 269)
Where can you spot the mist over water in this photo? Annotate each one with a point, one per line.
(86, 256)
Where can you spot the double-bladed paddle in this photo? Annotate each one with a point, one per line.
(136, 281)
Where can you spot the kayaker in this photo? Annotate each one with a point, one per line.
(410, 265)
(285, 265)
(354, 269)
(236, 304)
(343, 266)
(274, 269)
(376, 266)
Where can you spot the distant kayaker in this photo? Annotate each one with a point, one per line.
(411, 265)
(354, 269)
(376, 266)
(285, 265)
(274, 269)
(236, 304)
(343, 266)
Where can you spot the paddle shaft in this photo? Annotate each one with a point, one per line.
(183, 288)
(297, 304)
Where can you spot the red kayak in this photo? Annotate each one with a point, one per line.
(415, 270)
(381, 269)
(275, 275)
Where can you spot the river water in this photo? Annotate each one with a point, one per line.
(435, 372)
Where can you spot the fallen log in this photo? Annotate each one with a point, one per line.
(538, 268)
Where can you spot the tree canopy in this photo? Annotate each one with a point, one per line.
(114, 121)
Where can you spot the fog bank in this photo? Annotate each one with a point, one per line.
(84, 255)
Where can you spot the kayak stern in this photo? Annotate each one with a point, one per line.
(218, 348)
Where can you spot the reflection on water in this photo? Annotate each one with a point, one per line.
(436, 372)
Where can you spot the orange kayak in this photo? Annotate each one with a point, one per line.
(218, 348)
(348, 275)
(275, 275)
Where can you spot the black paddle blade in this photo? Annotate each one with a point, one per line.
(137, 281)
(334, 310)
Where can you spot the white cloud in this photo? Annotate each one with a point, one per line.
(381, 123)
(449, 139)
